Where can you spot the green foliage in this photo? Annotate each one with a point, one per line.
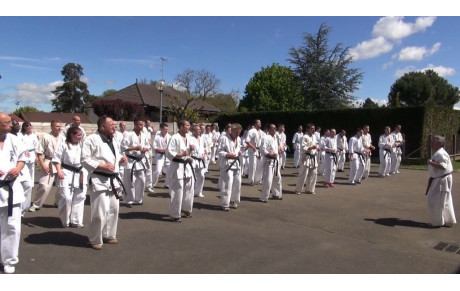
(180, 109)
(274, 88)
(108, 92)
(423, 88)
(324, 73)
(73, 94)
(118, 109)
(225, 102)
(368, 103)
(18, 111)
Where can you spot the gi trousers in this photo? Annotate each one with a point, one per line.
(272, 180)
(385, 163)
(71, 205)
(440, 204)
(330, 169)
(135, 188)
(160, 167)
(104, 215)
(306, 175)
(356, 170)
(231, 187)
(10, 235)
(181, 192)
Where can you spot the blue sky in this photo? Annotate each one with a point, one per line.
(114, 51)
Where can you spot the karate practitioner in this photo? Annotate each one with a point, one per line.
(118, 137)
(270, 149)
(342, 148)
(297, 144)
(215, 138)
(396, 152)
(356, 155)
(367, 144)
(76, 121)
(330, 159)
(308, 162)
(386, 144)
(439, 189)
(198, 156)
(47, 145)
(101, 157)
(72, 180)
(208, 142)
(322, 153)
(30, 141)
(149, 131)
(231, 155)
(162, 163)
(180, 173)
(255, 160)
(281, 138)
(135, 145)
(12, 157)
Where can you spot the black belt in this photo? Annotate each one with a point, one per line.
(430, 180)
(387, 152)
(75, 170)
(334, 156)
(312, 157)
(8, 183)
(275, 162)
(235, 159)
(112, 178)
(136, 160)
(199, 160)
(361, 157)
(185, 163)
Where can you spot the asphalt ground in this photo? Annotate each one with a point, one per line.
(378, 227)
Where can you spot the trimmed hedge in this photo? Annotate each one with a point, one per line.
(417, 122)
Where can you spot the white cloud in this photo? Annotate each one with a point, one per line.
(31, 94)
(30, 67)
(441, 70)
(414, 53)
(394, 27)
(370, 48)
(387, 65)
(109, 82)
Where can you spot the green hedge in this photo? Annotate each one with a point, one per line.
(417, 122)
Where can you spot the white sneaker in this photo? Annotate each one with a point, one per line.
(33, 208)
(8, 269)
(150, 190)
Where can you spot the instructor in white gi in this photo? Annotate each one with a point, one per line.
(269, 148)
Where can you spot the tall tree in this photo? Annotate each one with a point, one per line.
(200, 84)
(273, 88)
(368, 103)
(327, 81)
(419, 88)
(225, 102)
(73, 94)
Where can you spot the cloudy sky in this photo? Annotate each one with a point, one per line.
(115, 51)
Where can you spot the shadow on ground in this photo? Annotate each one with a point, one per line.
(60, 238)
(398, 222)
(42, 221)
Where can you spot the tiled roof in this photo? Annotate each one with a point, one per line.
(50, 116)
(147, 94)
(15, 117)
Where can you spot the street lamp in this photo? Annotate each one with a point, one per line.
(160, 88)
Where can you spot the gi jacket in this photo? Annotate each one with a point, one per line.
(132, 140)
(13, 152)
(178, 170)
(228, 146)
(96, 150)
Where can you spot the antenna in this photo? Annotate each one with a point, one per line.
(163, 59)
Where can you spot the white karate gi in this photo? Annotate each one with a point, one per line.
(342, 146)
(308, 165)
(367, 142)
(271, 185)
(297, 143)
(330, 159)
(180, 177)
(118, 137)
(245, 157)
(104, 204)
(12, 152)
(356, 152)
(439, 195)
(162, 163)
(230, 173)
(134, 176)
(72, 191)
(47, 145)
(31, 143)
(385, 146)
(321, 155)
(148, 132)
(396, 153)
(255, 161)
(215, 138)
(199, 166)
(281, 138)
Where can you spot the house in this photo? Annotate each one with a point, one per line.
(17, 118)
(47, 117)
(148, 96)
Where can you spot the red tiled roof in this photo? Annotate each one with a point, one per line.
(50, 116)
(15, 117)
(150, 95)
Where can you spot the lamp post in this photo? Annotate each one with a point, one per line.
(160, 88)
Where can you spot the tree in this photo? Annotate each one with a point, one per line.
(108, 92)
(273, 88)
(21, 109)
(200, 84)
(73, 94)
(180, 108)
(118, 109)
(368, 103)
(225, 102)
(420, 88)
(326, 80)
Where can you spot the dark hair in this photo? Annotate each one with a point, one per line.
(71, 131)
(54, 122)
(181, 122)
(137, 119)
(101, 120)
(24, 125)
(163, 125)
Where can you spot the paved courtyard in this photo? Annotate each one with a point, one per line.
(378, 227)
